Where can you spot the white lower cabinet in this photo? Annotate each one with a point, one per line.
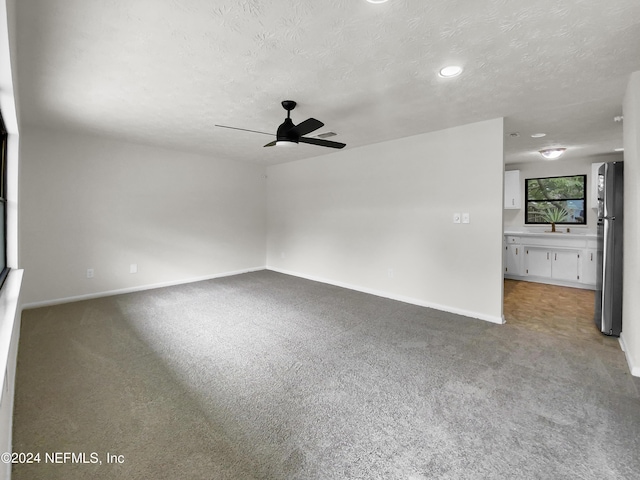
(564, 265)
(589, 267)
(556, 264)
(538, 263)
(569, 261)
(513, 260)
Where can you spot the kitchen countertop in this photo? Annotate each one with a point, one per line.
(549, 234)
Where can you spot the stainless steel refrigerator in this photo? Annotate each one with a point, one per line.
(608, 305)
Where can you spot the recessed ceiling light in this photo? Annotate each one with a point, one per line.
(377, 1)
(552, 153)
(618, 149)
(450, 71)
(538, 135)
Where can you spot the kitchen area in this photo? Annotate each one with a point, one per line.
(552, 259)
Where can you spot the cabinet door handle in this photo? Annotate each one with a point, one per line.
(592, 256)
(547, 255)
(555, 257)
(516, 250)
(513, 201)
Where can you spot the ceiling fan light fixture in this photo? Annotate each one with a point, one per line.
(286, 143)
(450, 71)
(552, 153)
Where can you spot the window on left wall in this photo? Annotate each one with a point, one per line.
(4, 270)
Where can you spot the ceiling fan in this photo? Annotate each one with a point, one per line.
(290, 134)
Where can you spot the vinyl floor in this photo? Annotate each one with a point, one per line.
(563, 311)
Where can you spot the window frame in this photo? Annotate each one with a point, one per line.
(583, 199)
(4, 135)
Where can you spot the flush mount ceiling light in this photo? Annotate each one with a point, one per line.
(377, 1)
(552, 153)
(538, 135)
(450, 71)
(618, 149)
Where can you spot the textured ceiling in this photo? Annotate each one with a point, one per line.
(165, 72)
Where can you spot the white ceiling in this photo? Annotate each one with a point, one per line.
(164, 72)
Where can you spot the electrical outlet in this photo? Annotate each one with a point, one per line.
(89, 272)
(390, 272)
(133, 268)
(465, 218)
(456, 218)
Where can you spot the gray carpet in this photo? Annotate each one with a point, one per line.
(268, 376)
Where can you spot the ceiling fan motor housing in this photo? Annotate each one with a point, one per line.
(285, 133)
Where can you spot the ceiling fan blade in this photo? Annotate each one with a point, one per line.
(321, 142)
(270, 144)
(308, 126)
(245, 130)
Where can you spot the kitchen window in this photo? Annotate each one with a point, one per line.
(558, 200)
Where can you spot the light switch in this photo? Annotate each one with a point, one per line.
(456, 218)
(465, 218)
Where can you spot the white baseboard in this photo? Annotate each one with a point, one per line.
(392, 296)
(140, 288)
(378, 293)
(633, 366)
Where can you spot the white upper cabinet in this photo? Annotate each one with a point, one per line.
(512, 193)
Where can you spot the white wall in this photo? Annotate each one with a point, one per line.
(514, 219)
(631, 284)
(352, 217)
(89, 202)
